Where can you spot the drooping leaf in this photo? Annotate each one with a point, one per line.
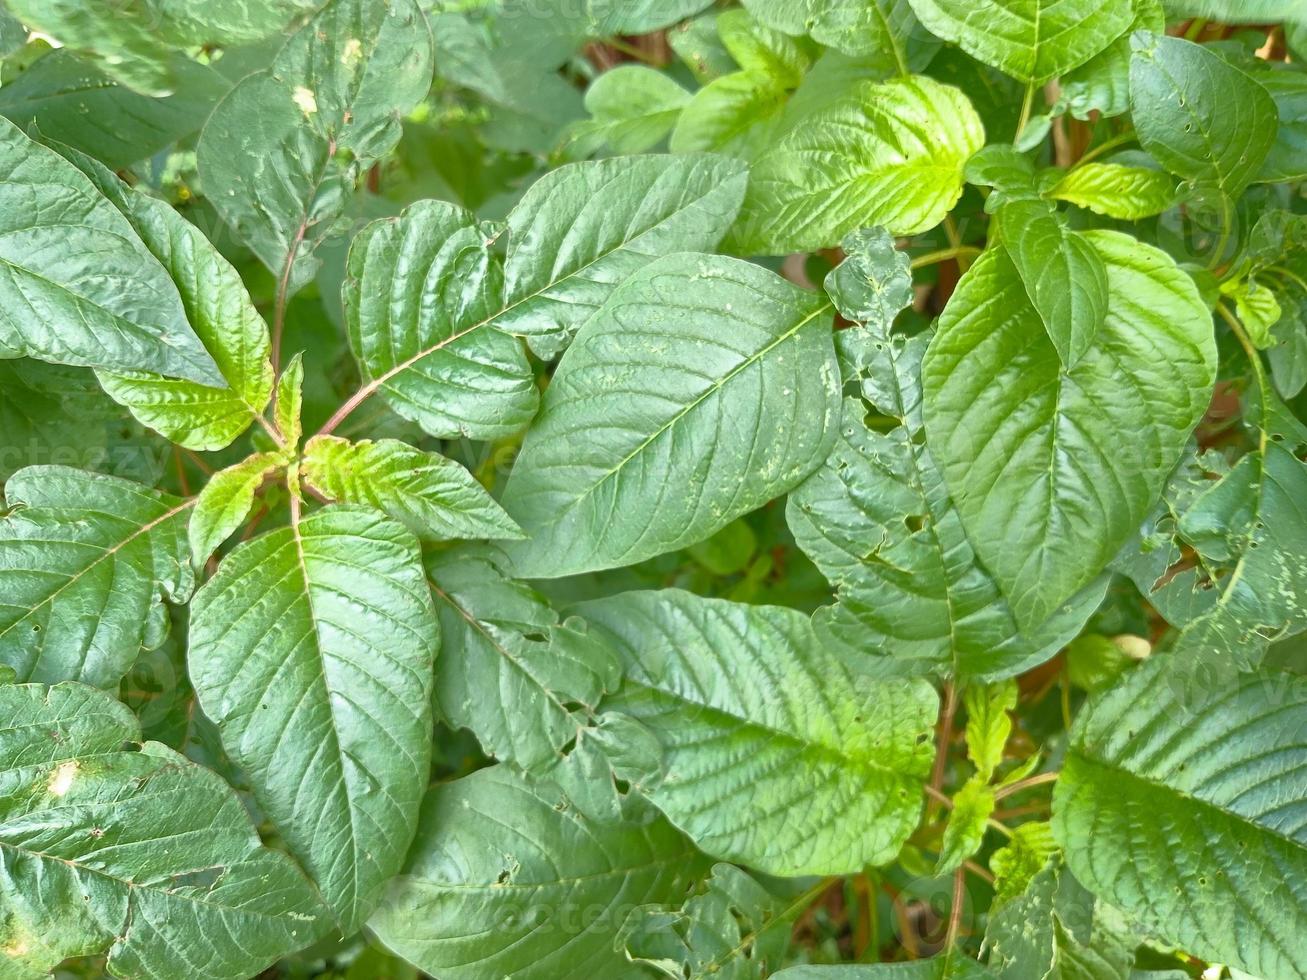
(1064, 276)
(581, 230)
(218, 309)
(311, 649)
(1031, 40)
(632, 108)
(972, 807)
(1203, 787)
(735, 929)
(777, 756)
(85, 562)
(281, 152)
(1045, 486)
(1016, 864)
(692, 377)
(1009, 172)
(1117, 191)
(435, 497)
(225, 502)
(1200, 116)
(75, 103)
(76, 285)
(142, 854)
(886, 153)
(513, 672)
(497, 847)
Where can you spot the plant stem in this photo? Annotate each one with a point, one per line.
(943, 740)
(944, 254)
(955, 912)
(1027, 104)
(1259, 369)
(1110, 144)
(1227, 227)
(1003, 792)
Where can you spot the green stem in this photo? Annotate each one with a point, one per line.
(1027, 104)
(944, 254)
(1289, 274)
(1111, 144)
(1259, 369)
(1227, 227)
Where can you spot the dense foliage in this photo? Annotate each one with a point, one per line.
(569, 489)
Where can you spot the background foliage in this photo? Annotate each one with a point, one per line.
(555, 489)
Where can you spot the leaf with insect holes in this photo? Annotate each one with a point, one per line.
(281, 152)
(311, 650)
(86, 561)
(777, 756)
(138, 853)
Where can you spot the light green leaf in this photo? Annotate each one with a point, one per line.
(738, 114)
(1008, 171)
(861, 28)
(691, 376)
(435, 497)
(140, 854)
(281, 153)
(218, 309)
(735, 929)
(1031, 40)
(225, 502)
(965, 832)
(582, 230)
(1024, 856)
(290, 402)
(1116, 191)
(1045, 485)
(632, 107)
(76, 285)
(1240, 11)
(988, 723)
(73, 102)
(760, 49)
(1063, 275)
(514, 674)
(1102, 84)
(85, 562)
(421, 300)
(777, 756)
(1202, 118)
(887, 153)
(311, 649)
(698, 45)
(949, 965)
(1257, 308)
(1157, 789)
(496, 847)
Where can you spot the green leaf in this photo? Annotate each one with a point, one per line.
(1256, 307)
(988, 723)
(878, 522)
(218, 309)
(698, 45)
(581, 230)
(140, 854)
(290, 402)
(735, 929)
(1159, 789)
(1045, 485)
(436, 498)
(777, 756)
(1008, 171)
(421, 298)
(1287, 159)
(514, 674)
(632, 108)
(281, 153)
(85, 562)
(1240, 11)
(1116, 191)
(311, 650)
(1056, 929)
(862, 28)
(949, 965)
(225, 502)
(75, 103)
(1201, 117)
(738, 114)
(760, 49)
(1248, 525)
(76, 285)
(967, 821)
(1016, 864)
(496, 847)
(1031, 40)
(1063, 275)
(1102, 84)
(886, 153)
(691, 376)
